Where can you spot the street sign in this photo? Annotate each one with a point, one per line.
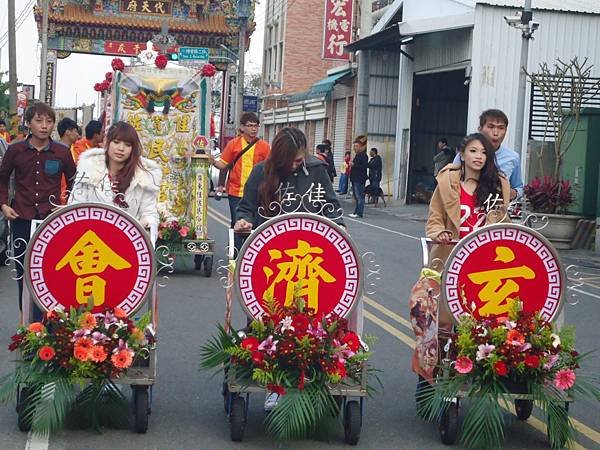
(194, 53)
(250, 103)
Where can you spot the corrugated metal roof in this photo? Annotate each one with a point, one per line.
(580, 6)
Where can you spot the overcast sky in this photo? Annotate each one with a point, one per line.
(77, 74)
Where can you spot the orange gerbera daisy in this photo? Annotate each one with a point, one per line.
(87, 321)
(515, 338)
(122, 359)
(81, 353)
(97, 354)
(36, 327)
(120, 314)
(84, 342)
(46, 353)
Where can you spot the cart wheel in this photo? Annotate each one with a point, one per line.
(523, 408)
(449, 423)
(560, 440)
(237, 419)
(140, 398)
(352, 422)
(198, 260)
(22, 401)
(207, 266)
(226, 394)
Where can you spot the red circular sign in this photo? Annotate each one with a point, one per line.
(498, 263)
(89, 250)
(301, 253)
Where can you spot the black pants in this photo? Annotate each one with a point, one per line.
(233, 204)
(20, 231)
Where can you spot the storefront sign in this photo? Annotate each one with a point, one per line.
(89, 251)
(499, 263)
(299, 255)
(250, 103)
(161, 8)
(337, 31)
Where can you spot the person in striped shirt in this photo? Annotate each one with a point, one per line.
(239, 157)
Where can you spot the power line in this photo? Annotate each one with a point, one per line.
(18, 23)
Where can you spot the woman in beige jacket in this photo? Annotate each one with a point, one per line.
(468, 196)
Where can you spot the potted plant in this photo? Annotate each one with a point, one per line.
(551, 198)
(565, 89)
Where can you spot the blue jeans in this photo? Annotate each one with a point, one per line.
(358, 191)
(233, 204)
(343, 186)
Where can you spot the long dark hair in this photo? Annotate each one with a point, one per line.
(489, 178)
(122, 131)
(286, 145)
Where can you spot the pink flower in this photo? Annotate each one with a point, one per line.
(183, 232)
(463, 365)
(552, 359)
(268, 345)
(565, 379)
(484, 351)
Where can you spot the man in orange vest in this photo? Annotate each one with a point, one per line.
(239, 157)
(4, 134)
(94, 136)
(68, 131)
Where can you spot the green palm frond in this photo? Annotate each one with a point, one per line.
(213, 354)
(298, 413)
(483, 423)
(48, 404)
(102, 402)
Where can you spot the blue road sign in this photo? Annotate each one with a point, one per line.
(250, 103)
(193, 53)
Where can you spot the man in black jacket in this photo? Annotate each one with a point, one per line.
(375, 168)
(358, 174)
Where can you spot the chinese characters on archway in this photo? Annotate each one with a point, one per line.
(300, 269)
(338, 29)
(500, 286)
(88, 259)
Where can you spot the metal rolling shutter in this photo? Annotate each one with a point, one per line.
(319, 131)
(339, 133)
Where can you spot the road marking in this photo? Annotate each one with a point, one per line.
(585, 293)
(37, 442)
(535, 423)
(381, 228)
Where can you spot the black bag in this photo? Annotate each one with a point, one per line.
(223, 174)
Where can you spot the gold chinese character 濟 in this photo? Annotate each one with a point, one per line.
(91, 256)
(500, 284)
(303, 271)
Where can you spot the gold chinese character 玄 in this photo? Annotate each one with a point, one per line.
(303, 271)
(500, 284)
(91, 256)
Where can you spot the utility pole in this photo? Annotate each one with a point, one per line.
(44, 55)
(12, 62)
(527, 27)
(363, 73)
(243, 10)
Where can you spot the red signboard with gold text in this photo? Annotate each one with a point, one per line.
(498, 263)
(89, 250)
(299, 254)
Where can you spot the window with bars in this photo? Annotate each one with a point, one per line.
(540, 126)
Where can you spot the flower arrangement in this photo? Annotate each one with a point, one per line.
(68, 349)
(492, 357)
(208, 70)
(172, 230)
(104, 85)
(117, 64)
(161, 61)
(549, 195)
(297, 354)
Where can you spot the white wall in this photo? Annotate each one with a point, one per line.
(426, 9)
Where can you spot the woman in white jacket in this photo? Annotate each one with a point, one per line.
(119, 175)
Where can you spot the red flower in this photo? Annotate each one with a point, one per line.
(341, 369)
(275, 388)
(500, 368)
(258, 358)
(532, 361)
(105, 85)
(117, 64)
(98, 87)
(16, 341)
(46, 353)
(300, 323)
(108, 76)
(208, 70)
(352, 340)
(161, 61)
(251, 344)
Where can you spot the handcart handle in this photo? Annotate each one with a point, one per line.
(425, 247)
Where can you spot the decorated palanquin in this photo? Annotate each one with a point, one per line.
(485, 272)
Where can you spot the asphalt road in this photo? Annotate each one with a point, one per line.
(187, 404)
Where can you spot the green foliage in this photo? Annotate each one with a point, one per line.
(298, 413)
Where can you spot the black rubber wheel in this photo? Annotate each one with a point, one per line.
(21, 407)
(449, 423)
(352, 422)
(226, 394)
(198, 260)
(207, 266)
(140, 399)
(523, 408)
(237, 419)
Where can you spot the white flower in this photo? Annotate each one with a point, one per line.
(286, 324)
(484, 351)
(555, 340)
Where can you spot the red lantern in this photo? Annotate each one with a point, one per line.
(117, 64)
(208, 70)
(108, 77)
(161, 61)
